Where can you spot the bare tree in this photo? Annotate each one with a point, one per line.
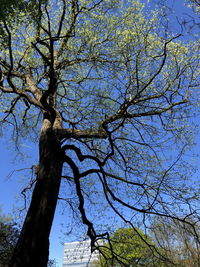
(107, 93)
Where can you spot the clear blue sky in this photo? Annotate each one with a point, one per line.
(12, 185)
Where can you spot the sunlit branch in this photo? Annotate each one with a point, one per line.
(22, 93)
(32, 87)
(75, 133)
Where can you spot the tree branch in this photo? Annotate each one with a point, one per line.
(76, 134)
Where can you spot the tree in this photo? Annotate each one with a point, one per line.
(127, 248)
(102, 87)
(9, 234)
(178, 242)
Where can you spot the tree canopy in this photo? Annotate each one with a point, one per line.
(129, 247)
(105, 89)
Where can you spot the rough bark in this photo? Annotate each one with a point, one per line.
(32, 249)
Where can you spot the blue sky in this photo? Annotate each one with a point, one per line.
(12, 181)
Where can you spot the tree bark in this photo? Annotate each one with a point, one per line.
(32, 249)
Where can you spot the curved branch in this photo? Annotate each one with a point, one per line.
(91, 232)
(22, 93)
(92, 171)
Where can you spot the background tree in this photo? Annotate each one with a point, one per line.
(129, 247)
(105, 92)
(9, 234)
(178, 242)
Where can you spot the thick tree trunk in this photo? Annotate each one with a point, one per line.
(32, 249)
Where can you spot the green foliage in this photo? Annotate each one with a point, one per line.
(13, 8)
(10, 8)
(8, 237)
(129, 247)
(13, 12)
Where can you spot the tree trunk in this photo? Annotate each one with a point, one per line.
(32, 249)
